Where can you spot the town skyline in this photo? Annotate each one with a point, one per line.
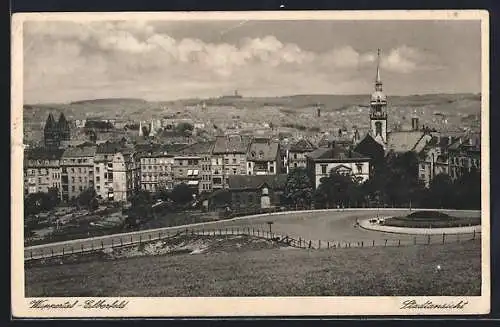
(182, 60)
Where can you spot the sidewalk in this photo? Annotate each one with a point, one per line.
(365, 223)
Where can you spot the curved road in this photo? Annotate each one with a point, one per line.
(332, 225)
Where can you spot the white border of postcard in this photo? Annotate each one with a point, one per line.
(242, 306)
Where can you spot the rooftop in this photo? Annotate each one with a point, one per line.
(335, 153)
(263, 149)
(80, 151)
(43, 154)
(231, 144)
(257, 181)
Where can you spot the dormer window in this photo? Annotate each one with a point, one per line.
(261, 154)
(253, 154)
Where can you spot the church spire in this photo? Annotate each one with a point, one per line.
(378, 80)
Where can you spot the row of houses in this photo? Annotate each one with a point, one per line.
(115, 170)
(451, 155)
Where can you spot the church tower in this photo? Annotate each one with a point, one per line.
(378, 109)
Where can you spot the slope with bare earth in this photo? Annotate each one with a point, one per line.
(271, 271)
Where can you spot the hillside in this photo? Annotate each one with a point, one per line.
(337, 110)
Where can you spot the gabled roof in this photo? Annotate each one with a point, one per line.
(231, 144)
(369, 147)
(263, 150)
(302, 145)
(254, 182)
(403, 141)
(108, 147)
(80, 151)
(198, 148)
(335, 153)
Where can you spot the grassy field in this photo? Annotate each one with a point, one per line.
(404, 271)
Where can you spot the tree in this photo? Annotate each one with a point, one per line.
(298, 188)
(334, 190)
(181, 194)
(468, 190)
(220, 198)
(440, 193)
(140, 208)
(88, 199)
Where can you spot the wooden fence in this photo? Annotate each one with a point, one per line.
(93, 245)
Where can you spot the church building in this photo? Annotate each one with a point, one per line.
(55, 132)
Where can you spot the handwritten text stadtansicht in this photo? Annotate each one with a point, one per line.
(413, 304)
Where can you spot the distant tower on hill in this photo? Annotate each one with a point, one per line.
(318, 110)
(378, 109)
(140, 129)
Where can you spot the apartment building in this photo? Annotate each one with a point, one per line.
(192, 166)
(229, 157)
(156, 169)
(296, 154)
(42, 170)
(263, 157)
(125, 175)
(77, 170)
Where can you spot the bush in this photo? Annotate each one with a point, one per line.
(429, 215)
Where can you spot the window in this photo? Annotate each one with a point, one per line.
(324, 169)
(360, 168)
(271, 169)
(261, 154)
(73, 188)
(97, 170)
(226, 161)
(97, 179)
(234, 171)
(294, 156)
(234, 160)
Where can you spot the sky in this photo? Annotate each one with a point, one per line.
(166, 60)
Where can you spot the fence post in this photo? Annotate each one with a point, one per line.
(373, 243)
(428, 239)
(130, 239)
(159, 235)
(458, 238)
(474, 235)
(444, 237)
(51, 253)
(149, 237)
(328, 244)
(82, 247)
(31, 254)
(92, 246)
(319, 244)
(300, 242)
(399, 242)
(72, 250)
(121, 241)
(140, 239)
(102, 245)
(414, 240)
(220, 231)
(385, 244)
(362, 244)
(63, 251)
(310, 243)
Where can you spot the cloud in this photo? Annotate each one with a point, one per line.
(72, 56)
